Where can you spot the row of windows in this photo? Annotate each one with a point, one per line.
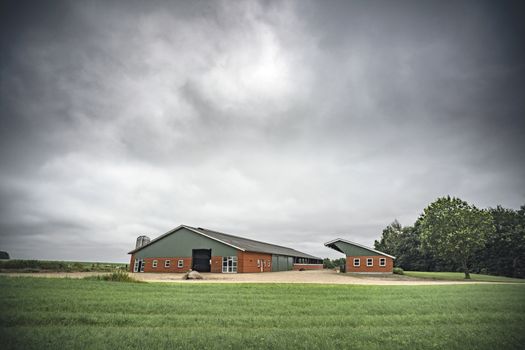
(167, 263)
(370, 262)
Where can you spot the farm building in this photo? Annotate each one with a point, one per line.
(362, 259)
(203, 250)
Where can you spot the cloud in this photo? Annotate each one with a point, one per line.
(289, 122)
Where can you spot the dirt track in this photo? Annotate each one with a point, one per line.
(321, 277)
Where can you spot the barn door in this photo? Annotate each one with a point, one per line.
(201, 259)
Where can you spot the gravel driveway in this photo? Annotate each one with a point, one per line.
(319, 276)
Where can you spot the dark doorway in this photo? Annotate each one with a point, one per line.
(201, 260)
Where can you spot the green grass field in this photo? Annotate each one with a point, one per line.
(40, 313)
(456, 276)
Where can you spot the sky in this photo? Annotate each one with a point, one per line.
(290, 122)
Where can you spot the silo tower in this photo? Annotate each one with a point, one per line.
(142, 241)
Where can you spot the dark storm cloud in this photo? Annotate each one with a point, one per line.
(290, 122)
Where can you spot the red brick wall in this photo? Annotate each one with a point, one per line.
(375, 268)
(216, 264)
(247, 262)
(308, 266)
(131, 263)
(172, 268)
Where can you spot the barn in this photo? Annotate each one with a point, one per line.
(195, 248)
(362, 259)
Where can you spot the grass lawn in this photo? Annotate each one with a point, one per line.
(40, 313)
(461, 276)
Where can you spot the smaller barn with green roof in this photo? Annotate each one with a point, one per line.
(362, 259)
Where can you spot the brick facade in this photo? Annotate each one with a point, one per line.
(307, 266)
(247, 262)
(174, 265)
(375, 268)
(216, 264)
(131, 263)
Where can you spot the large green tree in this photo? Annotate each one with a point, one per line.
(454, 230)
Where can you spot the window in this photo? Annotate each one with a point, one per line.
(167, 263)
(139, 265)
(154, 264)
(180, 264)
(357, 262)
(369, 262)
(382, 262)
(229, 264)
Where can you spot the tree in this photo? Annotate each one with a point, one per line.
(504, 253)
(328, 264)
(389, 238)
(452, 229)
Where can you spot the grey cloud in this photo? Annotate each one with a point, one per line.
(291, 122)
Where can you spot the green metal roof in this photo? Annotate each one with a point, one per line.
(240, 243)
(353, 249)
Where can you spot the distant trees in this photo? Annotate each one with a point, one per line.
(4, 255)
(331, 264)
(504, 251)
(498, 251)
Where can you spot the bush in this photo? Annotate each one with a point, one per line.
(117, 276)
(398, 271)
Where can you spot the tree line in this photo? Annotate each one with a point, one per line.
(452, 235)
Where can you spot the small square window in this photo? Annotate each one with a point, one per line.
(357, 262)
(382, 262)
(167, 263)
(180, 264)
(154, 264)
(369, 262)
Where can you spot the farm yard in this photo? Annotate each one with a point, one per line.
(46, 313)
(326, 276)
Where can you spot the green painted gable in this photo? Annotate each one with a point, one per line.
(181, 243)
(353, 250)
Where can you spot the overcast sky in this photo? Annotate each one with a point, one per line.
(291, 122)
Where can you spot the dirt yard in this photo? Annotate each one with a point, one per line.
(320, 276)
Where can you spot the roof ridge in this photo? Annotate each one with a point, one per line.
(246, 239)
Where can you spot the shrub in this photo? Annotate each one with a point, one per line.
(398, 271)
(117, 276)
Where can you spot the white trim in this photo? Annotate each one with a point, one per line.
(154, 263)
(369, 262)
(180, 263)
(382, 262)
(187, 228)
(359, 245)
(167, 263)
(358, 262)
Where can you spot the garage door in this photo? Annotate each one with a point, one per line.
(201, 260)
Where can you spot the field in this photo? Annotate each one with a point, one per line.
(41, 313)
(460, 276)
(31, 266)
